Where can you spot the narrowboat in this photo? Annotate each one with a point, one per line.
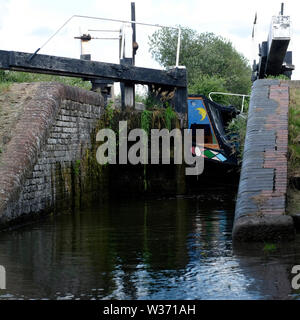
(213, 118)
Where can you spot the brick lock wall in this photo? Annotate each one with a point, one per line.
(42, 168)
(261, 202)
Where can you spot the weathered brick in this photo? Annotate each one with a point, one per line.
(43, 141)
(270, 200)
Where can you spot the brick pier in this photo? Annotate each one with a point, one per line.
(261, 203)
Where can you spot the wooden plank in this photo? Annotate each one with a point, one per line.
(180, 100)
(20, 61)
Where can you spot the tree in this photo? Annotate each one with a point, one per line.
(206, 56)
(204, 84)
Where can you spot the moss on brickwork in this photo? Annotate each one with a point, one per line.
(93, 176)
(81, 182)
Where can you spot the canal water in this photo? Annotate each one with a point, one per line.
(167, 248)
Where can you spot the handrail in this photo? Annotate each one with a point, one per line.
(230, 94)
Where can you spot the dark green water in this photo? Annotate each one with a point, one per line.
(174, 248)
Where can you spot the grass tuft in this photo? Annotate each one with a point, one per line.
(9, 77)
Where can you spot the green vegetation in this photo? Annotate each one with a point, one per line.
(159, 114)
(109, 114)
(9, 77)
(237, 132)
(146, 120)
(294, 132)
(158, 111)
(154, 116)
(169, 115)
(77, 168)
(269, 247)
(211, 61)
(204, 84)
(279, 77)
(293, 196)
(4, 86)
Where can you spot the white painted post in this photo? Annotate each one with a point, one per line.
(178, 48)
(128, 54)
(126, 57)
(128, 40)
(85, 47)
(242, 110)
(2, 278)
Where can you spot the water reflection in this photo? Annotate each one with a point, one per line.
(175, 248)
(270, 269)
